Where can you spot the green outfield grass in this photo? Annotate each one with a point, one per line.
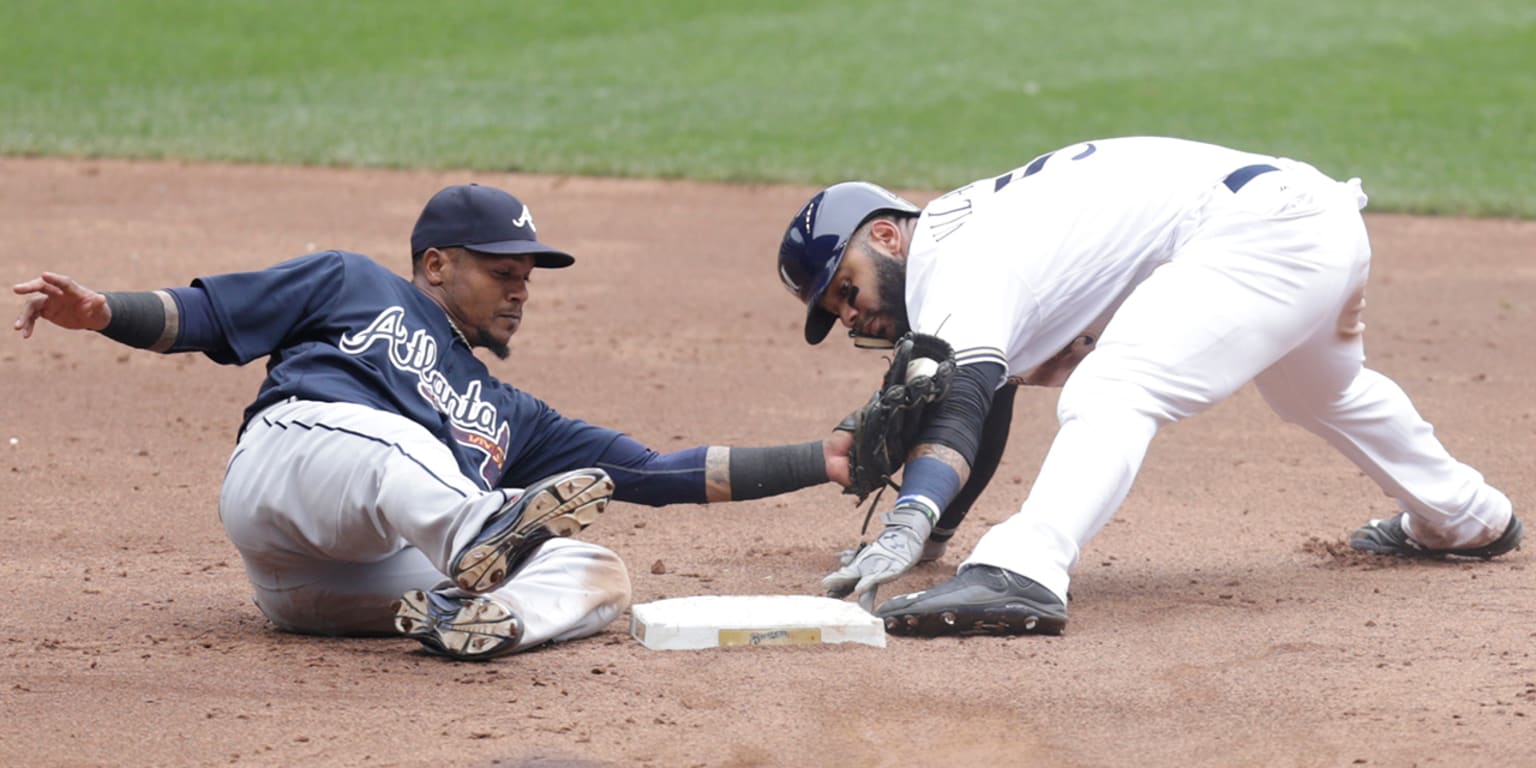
(1430, 102)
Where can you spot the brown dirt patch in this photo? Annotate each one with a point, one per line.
(1217, 621)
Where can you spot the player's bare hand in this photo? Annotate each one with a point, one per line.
(835, 450)
(61, 301)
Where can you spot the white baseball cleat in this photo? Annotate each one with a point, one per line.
(469, 628)
(561, 505)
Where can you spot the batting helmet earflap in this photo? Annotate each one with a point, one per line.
(813, 245)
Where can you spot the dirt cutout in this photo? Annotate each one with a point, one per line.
(1218, 620)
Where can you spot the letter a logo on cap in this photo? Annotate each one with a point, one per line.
(525, 220)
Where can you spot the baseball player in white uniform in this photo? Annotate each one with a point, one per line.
(1150, 278)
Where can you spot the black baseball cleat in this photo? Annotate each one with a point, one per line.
(981, 600)
(468, 628)
(1387, 537)
(561, 505)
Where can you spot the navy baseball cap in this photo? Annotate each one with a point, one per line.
(813, 245)
(484, 220)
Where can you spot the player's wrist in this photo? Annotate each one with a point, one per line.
(920, 504)
(930, 481)
(757, 473)
(914, 515)
(138, 319)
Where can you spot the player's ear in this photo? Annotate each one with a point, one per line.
(435, 263)
(886, 235)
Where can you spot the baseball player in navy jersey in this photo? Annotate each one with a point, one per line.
(1149, 278)
(383, 481)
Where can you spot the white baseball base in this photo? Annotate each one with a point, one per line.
(722, 621)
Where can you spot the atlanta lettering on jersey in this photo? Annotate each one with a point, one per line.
(415, 351)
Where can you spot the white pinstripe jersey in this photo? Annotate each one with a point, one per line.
(1013, 268)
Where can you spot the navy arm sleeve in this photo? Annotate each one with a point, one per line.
(643, 476)
(640, 475)
(197, 330)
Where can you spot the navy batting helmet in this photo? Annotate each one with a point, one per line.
(813, 245)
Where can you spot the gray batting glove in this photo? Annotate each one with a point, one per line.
(892, 554)
(933, 550)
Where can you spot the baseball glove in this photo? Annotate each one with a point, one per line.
(886, 428)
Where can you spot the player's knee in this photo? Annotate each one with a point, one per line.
(611, 580)
(600, 571)
(1289, 408)
(600, 584)
(1316, 400)
(1102, 400)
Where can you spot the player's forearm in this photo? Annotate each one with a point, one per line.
(143, 319)
(933, 477)
(710, 473)
(739, 474)
(171, 320)
(940, 466)
(947, 456)
(994, 439)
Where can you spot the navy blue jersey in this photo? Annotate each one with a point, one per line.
(339, 327)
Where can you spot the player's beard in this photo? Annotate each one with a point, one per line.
(497, 348)
(891, 278)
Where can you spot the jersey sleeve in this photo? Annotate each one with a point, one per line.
(640, 475)
(261, 311)
(643, 476)
(556, 444)
(967, 295)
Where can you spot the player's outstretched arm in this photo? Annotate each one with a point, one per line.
(151, 320)
(739, 474)
(61, 301)
(716, 473)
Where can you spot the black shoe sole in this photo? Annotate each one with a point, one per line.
(1014, 619)
(471, 629)
(559, 506)
(1379, 540)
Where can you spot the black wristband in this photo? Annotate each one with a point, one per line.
(138, 319)
(761, 472)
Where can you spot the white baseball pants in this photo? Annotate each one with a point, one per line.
(1265, 287)
(338, 509)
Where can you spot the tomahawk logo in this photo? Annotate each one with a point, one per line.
(525, 220)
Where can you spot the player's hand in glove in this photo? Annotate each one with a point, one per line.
(897, 549)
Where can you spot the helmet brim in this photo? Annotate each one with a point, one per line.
(818, 323)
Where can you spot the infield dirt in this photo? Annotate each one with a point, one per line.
(1219, 620)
